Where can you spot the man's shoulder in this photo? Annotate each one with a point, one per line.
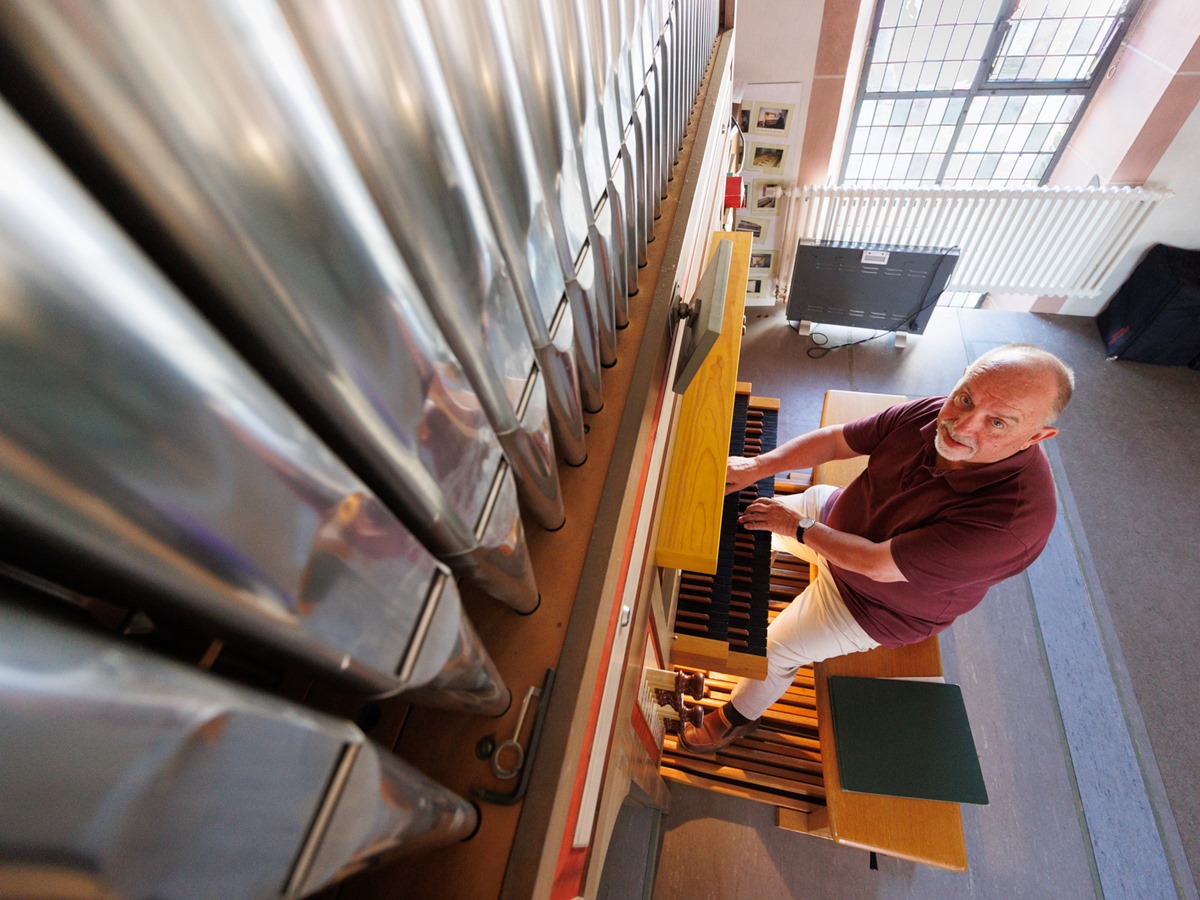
(909, 417)
(867, 433)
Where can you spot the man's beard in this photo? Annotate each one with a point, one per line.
(945, 451)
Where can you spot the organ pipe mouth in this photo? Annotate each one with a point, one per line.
(432, 599)
(320, 824)
(493, 497)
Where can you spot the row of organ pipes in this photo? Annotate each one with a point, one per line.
(301, 305)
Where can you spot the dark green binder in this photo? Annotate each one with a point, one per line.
(905, 739)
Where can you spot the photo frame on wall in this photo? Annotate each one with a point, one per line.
(768, 158)
(759, 228)
(762, 261)
(744, 119)
(766, 197)
(758, 286)
(772, 118)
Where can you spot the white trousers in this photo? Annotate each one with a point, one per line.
(816, 625)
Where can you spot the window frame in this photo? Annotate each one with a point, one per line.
(982, 87)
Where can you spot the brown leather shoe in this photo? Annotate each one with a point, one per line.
(715, 734)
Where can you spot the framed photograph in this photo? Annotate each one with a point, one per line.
(757, 286)
(766, 197)
(767, 158)
(762, 261)
(744, 119)
(772, 118)
(758, 227)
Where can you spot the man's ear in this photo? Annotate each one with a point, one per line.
(1043, 433)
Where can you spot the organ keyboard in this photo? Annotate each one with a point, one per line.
(721, 619)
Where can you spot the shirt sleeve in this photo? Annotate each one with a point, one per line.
(865, 434)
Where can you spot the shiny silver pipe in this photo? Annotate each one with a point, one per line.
(141, 458)
(376, 66)
(655, 179)
(207, 115)
(662, 107)
(639, 161)
(141, 777)
(594, 22)
(671, 92)
(632, 11)
(544, 96)
(473, 48)
(605, 227)
(629, 89)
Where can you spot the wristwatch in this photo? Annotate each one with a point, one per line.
(802, 526)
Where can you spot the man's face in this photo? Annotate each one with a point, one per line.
(993, 414)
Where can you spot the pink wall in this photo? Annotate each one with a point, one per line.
(1139, 109)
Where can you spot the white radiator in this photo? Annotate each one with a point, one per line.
(1053, 241)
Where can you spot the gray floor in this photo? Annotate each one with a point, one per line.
(1079, 676)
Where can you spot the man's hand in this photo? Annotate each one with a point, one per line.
(740, 472)
(769, 514)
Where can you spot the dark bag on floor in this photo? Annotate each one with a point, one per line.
(1155, 316)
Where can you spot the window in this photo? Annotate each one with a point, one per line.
(977, 92)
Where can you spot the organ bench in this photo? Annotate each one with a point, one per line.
(790, 762)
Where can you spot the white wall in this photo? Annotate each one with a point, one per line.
(776, 41)
(1176, 221)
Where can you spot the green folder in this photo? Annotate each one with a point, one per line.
(904, 739)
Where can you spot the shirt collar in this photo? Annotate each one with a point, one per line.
(973, 478)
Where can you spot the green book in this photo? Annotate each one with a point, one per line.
(905, 739)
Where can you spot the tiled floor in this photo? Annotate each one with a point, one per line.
(1080, 707)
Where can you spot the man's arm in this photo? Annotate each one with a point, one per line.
(854, 553)
(844, 550)
(801, 452)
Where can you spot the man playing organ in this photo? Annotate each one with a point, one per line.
(956, 497)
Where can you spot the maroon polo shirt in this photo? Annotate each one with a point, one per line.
(954, 533)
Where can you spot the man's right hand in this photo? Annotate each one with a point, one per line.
(740, 472)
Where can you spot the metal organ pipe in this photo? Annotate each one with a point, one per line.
(135, 440)
(606, 230)
(209, 117)
(376, 65)
(476, 59)
(157, 767)
(584, 268)
(596, 81)
(606, 49)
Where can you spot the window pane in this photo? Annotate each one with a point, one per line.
(1043, 34)
(890, 14)
(918, 47)
(883, 46)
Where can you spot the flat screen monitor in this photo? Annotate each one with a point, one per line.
(868, 285)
